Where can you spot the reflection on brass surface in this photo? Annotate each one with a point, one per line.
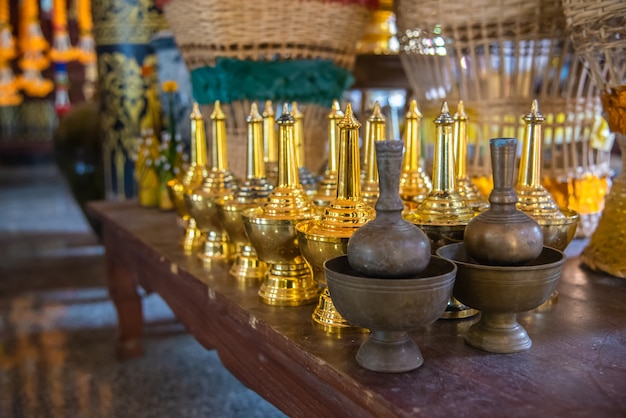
(190, 179)
(466, 187)
(218, 184)
(247, 268)
(390, 308)
(444, 214)
(327, 237)
(271, 229)
(375, 131)
(414, 182)
(327, 189)
(500, 292)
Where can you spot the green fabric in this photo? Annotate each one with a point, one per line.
(304, 81)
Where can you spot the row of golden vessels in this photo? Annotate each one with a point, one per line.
(277, 227)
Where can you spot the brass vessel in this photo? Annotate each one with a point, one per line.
(189, 180)
(500, 292)
(219, 183)
(466, 187)
(375, 129)
(327, 237)
(270, 143)
(557, 224)
(414, 182)
(444, 214)
(271, 229)
(306, 178)
(390, 308)
(327, 189)
(247, 268)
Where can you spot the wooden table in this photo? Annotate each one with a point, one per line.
(575, 368)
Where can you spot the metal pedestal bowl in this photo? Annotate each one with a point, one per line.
(390, 308)
(500, 292)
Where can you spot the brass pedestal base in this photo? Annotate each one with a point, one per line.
(217, 247)
(327, 318)
(457, 310)
(289, 284)
(498, 333)
(193, 238)
(247, 268)
(389, 352)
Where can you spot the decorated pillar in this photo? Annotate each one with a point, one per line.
(122, 30)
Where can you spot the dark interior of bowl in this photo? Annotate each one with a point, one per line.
(456, 253)
(436, 267)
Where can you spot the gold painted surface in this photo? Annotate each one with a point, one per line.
(557, 225)
(252, 193)
(218, 184)
(443, 206)
(190, 179)
(271, 228)
(375, 129)
(466, 187)
(327, 189)
(414, 182)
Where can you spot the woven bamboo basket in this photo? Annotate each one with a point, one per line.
(269, 30)
(497, 56)
(598, 32)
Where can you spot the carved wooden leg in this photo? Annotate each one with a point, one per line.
(122, 285)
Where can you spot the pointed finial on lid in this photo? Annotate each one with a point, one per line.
(195, 112)
(269, 109)
(349, 121)
(254, 116)
(377, 114)
(218, 113)
(286, 115)
(413, 112)
(534, 115)
(444, 117)
(460, 111)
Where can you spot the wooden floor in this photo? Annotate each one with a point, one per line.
(57, 324)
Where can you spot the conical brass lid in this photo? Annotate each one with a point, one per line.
(347, 212)
(327, 189)
(255, 186)
(269, 134)
(532, 198)
(467, 189)
(376, 132)
(198, 168)
(220, 181)
(443, 205)
(414, 183)
(288, 200)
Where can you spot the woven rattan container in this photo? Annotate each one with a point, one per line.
(497, 56)
(598, 32)
(269, 30)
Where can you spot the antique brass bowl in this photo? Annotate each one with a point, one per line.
(559, 232)
(500, 292)
(288, 281)
(390, 308)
